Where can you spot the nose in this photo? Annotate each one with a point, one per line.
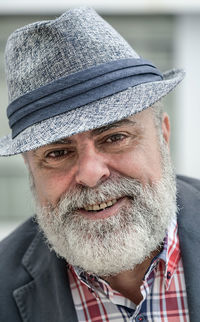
(92, 167)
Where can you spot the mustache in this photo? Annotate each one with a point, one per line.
(115, 187)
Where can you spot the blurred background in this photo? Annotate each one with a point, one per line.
(164, 31)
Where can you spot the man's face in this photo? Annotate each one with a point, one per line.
(129, 148)
(102, 194)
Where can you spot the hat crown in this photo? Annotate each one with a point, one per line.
(43, 52)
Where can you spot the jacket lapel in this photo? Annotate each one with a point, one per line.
(47, 297)
(189, 234)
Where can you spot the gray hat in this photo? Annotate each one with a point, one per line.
(71, 75)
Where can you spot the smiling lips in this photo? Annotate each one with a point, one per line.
(100, 206)
(105, 209)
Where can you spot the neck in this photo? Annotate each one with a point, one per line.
(128, 282)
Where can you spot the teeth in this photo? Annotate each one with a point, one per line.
(109, 203)
(103, 205)
(100, 206)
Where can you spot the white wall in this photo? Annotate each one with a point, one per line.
(187, 55)
(103, 6)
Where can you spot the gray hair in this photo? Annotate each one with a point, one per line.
(158, 110)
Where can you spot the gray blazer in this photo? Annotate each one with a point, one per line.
(34, 285)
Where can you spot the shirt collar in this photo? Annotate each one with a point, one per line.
(169, 257)
(173, 253)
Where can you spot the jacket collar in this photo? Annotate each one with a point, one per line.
(188, 224)
(47, 297)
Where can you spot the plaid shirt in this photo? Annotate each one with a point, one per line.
(163, 291)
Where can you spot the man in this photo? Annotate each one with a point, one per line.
(85, 113)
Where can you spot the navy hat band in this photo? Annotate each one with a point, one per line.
(79, 89)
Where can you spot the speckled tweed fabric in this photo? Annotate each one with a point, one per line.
(44, 52)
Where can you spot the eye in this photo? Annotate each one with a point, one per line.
(56, 154)
(115, 138)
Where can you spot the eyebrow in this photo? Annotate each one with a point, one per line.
(112, 126)
(62, 141)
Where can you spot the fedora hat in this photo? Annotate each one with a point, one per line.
(71, 75)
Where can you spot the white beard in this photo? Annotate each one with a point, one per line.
(118, 243)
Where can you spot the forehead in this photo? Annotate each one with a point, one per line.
(141, 120)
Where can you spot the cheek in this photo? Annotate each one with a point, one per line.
(140, 165)
(50, 187)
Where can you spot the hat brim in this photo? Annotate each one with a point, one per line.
(93, 115)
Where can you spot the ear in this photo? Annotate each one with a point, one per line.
(166, 128)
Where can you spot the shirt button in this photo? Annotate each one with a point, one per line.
(169, 275)
(140, 318)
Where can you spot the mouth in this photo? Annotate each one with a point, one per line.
(105, 209)
(100, 206)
